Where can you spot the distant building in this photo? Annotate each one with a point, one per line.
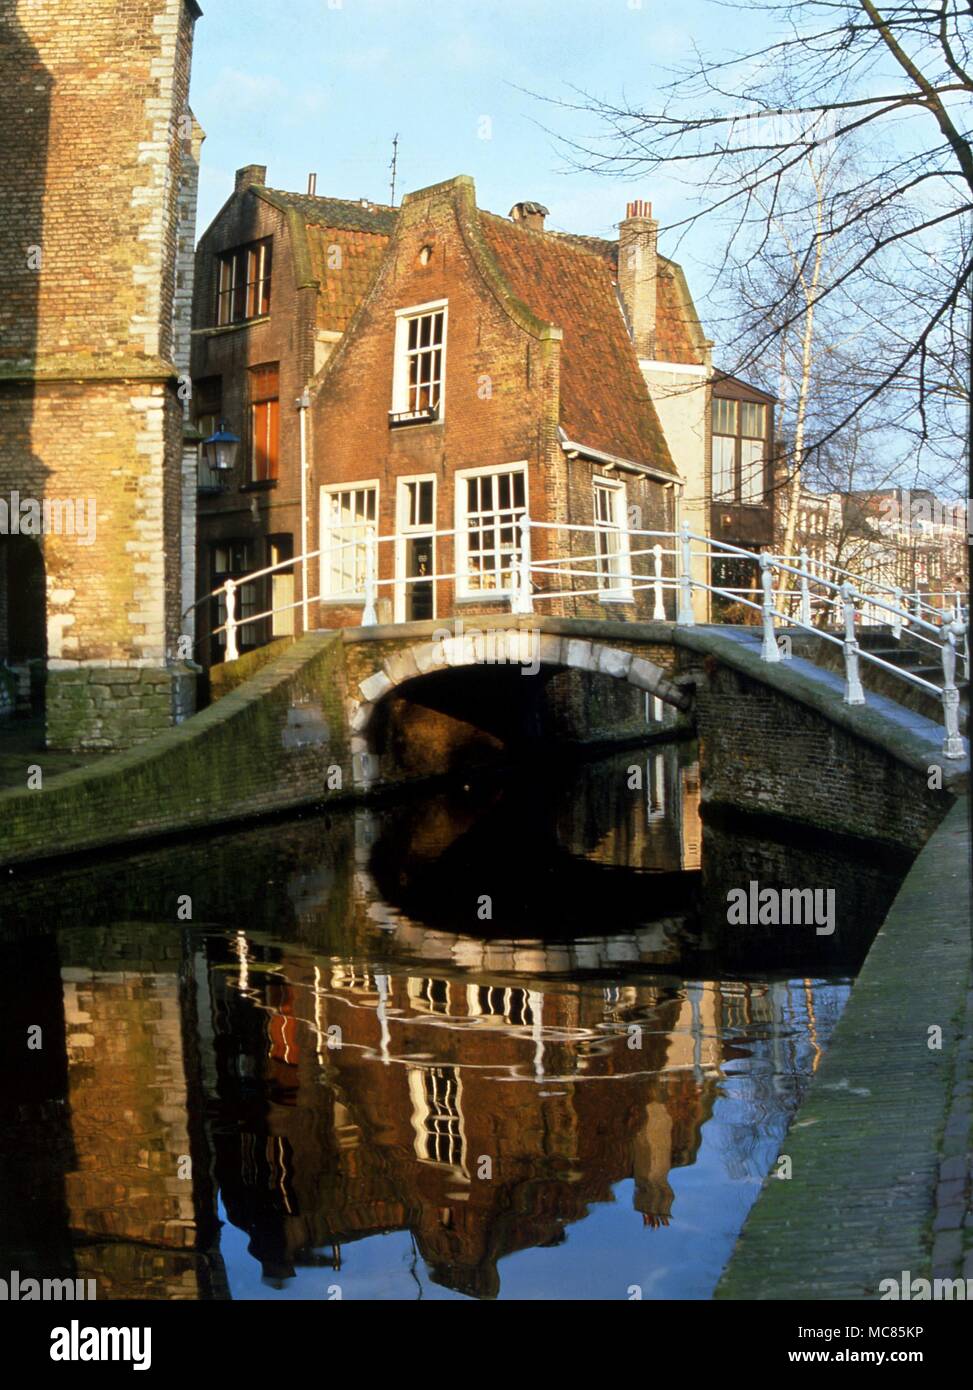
(97, 205)
(901, 538)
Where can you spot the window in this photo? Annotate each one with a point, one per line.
(724, 416)
(752, 471)
(419, 370)
(282, 594)
(611, 540)
(724, 460)
(437, 1118)
(431, 995)
(243, 283)
(513, 1005)
(264, 423)
(739, 451)
(753, 421)
(232, 560)
(347, 516)
(489, 504)
(419, 500)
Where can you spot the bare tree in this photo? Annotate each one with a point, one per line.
(893, 81)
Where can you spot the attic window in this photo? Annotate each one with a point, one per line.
(243, 282)
(425, 255)
(418, 379)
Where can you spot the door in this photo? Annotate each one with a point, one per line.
(415, 562)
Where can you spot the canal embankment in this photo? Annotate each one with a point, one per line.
(880, 1149)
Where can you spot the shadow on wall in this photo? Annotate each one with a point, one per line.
(25, 102)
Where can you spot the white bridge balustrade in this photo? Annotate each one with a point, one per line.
(612, 566)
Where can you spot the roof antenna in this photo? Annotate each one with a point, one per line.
(394, 164)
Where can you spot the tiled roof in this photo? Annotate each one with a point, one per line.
(342, 213)
(673, 335)
(360, 233)
(604, 400)
(343, 285)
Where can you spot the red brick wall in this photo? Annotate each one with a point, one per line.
(285, 336)
(501, 396)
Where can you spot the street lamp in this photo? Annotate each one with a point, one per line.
(219, 451)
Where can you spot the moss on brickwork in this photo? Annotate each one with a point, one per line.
(267, 746)
(229, 674)
(105, 708)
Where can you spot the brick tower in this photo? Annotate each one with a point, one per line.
(97, 200)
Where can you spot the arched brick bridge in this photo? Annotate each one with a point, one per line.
(342, 714)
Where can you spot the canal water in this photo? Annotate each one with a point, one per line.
(497, 1040)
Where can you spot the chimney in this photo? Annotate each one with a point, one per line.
(637, 271)
(312, 185)
(250, 173)
(529, 215)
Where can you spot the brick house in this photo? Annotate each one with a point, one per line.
(97, 203)
(461, 368)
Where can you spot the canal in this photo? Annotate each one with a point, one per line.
(494, 1040)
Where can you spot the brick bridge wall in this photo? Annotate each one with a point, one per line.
(345, 714)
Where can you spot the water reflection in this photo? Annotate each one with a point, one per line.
(380, 1090)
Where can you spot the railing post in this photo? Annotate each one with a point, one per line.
(229, 593)
(685, 615)
(953, 746)
(897, 615)
(521, 601)
(854, 694)
(805, 591)
(369, 617)
(659, 608)
(769, 651)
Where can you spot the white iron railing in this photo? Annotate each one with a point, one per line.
(606, 570)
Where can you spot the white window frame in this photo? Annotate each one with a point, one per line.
(724, 478)
(400, 368)
(621, 570)
(327, 490)
(436, 1123)
(752, 472)
(403, 530)
(460, 519)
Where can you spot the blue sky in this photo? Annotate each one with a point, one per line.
(323, 85)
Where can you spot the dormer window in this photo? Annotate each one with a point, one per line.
(243, 283)
(419, 373)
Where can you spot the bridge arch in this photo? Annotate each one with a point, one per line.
(523, 647)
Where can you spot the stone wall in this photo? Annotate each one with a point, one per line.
(89, 408)
(269, 747)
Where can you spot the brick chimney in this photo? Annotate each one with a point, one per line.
(250, 173)
(529, 215)
(637, 270)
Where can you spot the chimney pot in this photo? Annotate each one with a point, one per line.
(530, 214)
(312, 185)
